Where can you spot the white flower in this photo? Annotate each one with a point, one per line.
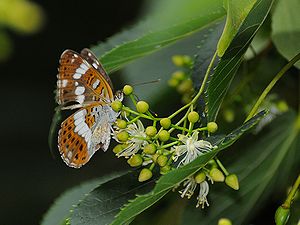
(202, 196)
(191, 148)
(189, 188)
(136, 139)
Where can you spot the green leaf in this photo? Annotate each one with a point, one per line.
(102, 204)
(258, 169)
(230, 61)
(286, 28)
(60, 210)
(57, 118)
(175, 177)
(237, 11)
(151, 42)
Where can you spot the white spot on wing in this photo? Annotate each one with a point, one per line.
(79, 114)
(79, 90)
(76, 75)
(80, 70)
(84, 67)
(80, 98)
(95, 65)
(96, 84)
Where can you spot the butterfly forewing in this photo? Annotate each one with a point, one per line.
(78, 81)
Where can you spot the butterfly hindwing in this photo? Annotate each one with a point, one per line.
(78, 80)
(83, 133)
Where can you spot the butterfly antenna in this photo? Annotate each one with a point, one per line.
(147, 82)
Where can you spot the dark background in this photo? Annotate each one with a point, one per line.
(30, 177)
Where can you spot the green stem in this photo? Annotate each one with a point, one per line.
(200, 90)
(271, 85)
(221, 166)
(292, 193)
(139, 114)
(169, 145)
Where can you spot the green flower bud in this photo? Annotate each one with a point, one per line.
(212, 127)
(121, 123)
(178, 60)
(165, 123)
(228, 115)
(142, 106)
(125, 114)
(116, 105)
(154, 157)
(151, 131)
(186, 98)
(216, 175)
(145, 174)
(127, 90)
(164, 135)
(178, 75)
(282, 215)
(193, 117)
(212, 164)
(118, 148)
(135, 160)
(224, 221)
(185, 86)
(282, 106)
(200, 177)
(165, 169)
(173, 82)
(149, 149)
(232, 181)
(187, 60)
(123, 136)
(162, 160)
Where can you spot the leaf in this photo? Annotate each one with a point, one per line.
(57, 118)
(60, 210)
(258, 168)
(286, 28)
(175, 177)
(230, 61)
(151, 42)
(205, 52)
(237, 11)
(102, 204)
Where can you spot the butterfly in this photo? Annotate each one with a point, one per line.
(84, 85)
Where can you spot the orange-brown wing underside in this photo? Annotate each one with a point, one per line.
(78, 81)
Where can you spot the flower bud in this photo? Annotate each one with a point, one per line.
(216, 175)
(282, 106)
(125, 114)
(151, 131)
(178, 60)
(193, 117)
(212, 127)
(164, 135)
(200, 177)
(135, 160)
(127, 90)
(116, 105)
(224, 221)
(162, 160)
(154, 157)
(142, 106)
(123, 136)
(121, 123)
(145, 174)
(165, 169)
(149, 149)
(232, 181)
(185, 86)
(118, 148)
(228, 115)
(212, 164)
(282, 215)
(178, 75)
(173, 82)
(165, 123)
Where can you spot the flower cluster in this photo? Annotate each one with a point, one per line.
(165, 144)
